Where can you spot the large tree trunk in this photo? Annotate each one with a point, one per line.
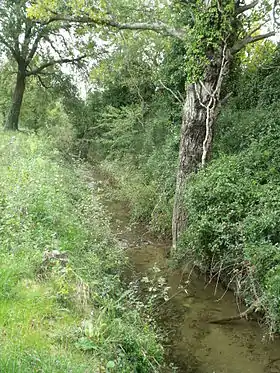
(200, 111)
(14, 111)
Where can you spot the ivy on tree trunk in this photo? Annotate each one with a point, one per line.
(200, 111)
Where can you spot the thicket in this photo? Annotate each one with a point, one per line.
(233, 205)
(63, 307)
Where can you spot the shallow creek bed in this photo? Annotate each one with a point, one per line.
(194, 344)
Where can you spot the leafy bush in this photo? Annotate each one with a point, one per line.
(60, 270)
(237, 129)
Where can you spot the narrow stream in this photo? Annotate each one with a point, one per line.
(194, 345)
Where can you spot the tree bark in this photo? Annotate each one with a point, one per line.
(14, 111)
(200, 111)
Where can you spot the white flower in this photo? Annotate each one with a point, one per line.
(145, 279)
(156, 269)
(161, 281)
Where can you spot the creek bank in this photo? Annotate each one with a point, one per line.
(195, 345)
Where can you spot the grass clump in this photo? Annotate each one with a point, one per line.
(63, 307)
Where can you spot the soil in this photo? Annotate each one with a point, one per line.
(194, 344)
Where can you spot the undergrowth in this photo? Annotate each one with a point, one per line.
(233, 223)
(63, 307)
(149, 187)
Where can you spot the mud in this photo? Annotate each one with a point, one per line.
(194, 344)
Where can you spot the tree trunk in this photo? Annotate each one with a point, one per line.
(200, 111)
(14, 111)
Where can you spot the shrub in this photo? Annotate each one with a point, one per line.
(233, 222)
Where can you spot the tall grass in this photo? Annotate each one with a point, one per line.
(63, 308)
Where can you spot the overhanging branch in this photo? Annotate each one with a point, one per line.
(177, 95)
(60, 61)
(240, 44)
(159, 27)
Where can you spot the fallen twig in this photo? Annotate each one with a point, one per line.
(242, 315)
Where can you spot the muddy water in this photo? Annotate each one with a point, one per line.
(195, 345)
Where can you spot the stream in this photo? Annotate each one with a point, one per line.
(194, 344)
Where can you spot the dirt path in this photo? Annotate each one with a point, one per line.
(194, 345)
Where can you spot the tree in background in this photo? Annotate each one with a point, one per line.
(212, 33)
(53, 109)
(34, 47)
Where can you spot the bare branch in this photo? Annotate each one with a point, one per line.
(58, 34)
(243, 315)
(244, 8)
(44, 30)
(276, 11)
(27, 36)
(54, 62)
(257, 28)
(226, 98)
(57, 51)
(41, 33)
(158, 27)
(240, 44)
(178, 96)
(33, 48)
(42, 82)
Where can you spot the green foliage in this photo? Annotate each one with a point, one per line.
(53, 111)
(212, 25)
(253, 110)
(119, 127)
(259, 65)
(233, 215)
(237, 129)
(141, 153)
(63, 307)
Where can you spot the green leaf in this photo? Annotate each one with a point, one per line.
(111, 364)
